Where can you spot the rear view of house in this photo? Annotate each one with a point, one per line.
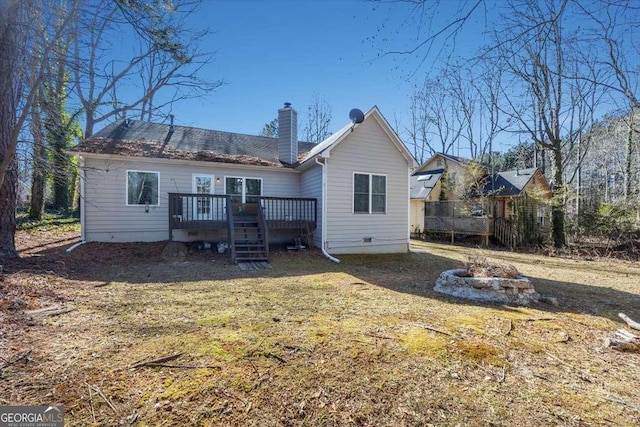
(150, 182)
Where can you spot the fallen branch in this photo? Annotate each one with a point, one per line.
(167, 365)
(631, 323)
(156, 361)
(268, 355)
(52, 311)
(100, 285)
(105, 398)
(585, 376)
(293, 347)
(93, 414)
(24, 356)
(621, 402)
(431, 328)
(382, 337)
(538, 319)
(609, 398)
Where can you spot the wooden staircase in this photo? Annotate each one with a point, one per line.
(249, 241)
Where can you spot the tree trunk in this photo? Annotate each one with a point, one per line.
(9, 88)
(60, 170)
(39, 172)
(557, 205)
(628, 172)
(8, 195)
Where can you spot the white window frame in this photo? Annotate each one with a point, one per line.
(126, 189)
(244, 187)
(206, 175)
(353, 195)
(201, 210)
(541, 215)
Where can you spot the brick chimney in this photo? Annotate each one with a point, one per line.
(287, 134)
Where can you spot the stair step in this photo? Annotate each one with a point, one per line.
(249, 243)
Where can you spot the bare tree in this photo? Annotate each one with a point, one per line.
(164, 56)
(270, 129)
(158, 28)
(554, 106)
(21, 73)
(437, 121)
(318, 125)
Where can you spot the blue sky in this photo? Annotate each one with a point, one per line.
(275, 51)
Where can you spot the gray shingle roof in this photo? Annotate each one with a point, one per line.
(506, 183)
(159, 140)
(510, 183)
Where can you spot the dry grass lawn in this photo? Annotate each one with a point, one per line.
(310, 342)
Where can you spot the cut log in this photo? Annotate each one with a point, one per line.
(623, 340)
(631, 323)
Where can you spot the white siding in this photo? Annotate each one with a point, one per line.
(109, 219)
(417, 215)
(367, 150)
(311, 187)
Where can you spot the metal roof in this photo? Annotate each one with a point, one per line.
(422, 184)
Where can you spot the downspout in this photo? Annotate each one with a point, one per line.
(82, 201)
(324, 213)
(409, 208)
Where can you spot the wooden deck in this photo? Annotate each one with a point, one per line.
(188, 211)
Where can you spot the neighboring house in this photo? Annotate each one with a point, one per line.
(458, 196)
(150, 182)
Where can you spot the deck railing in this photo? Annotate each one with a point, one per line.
(212, 211)
(460, 225)
(462, 217)
(197, 210)
(289, 212)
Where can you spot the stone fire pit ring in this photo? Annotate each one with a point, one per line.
(510, 291)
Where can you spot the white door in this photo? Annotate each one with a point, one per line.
(202, 206)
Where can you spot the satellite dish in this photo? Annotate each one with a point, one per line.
(356, 116)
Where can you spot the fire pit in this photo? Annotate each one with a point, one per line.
(461, 283)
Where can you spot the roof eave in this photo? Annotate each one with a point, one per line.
(186, 162)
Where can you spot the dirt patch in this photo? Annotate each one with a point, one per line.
(310, 342)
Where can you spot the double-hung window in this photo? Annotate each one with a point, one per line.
(369, 193)
(143, 188)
